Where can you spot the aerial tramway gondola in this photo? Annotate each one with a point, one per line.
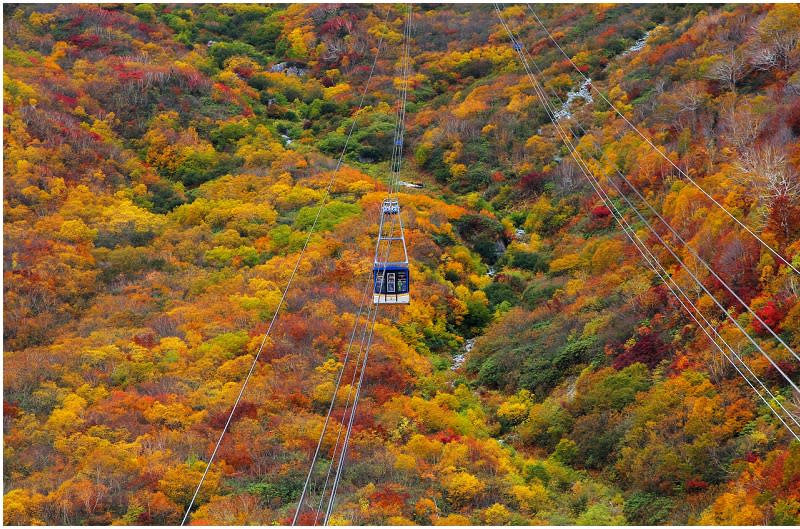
(390, 271)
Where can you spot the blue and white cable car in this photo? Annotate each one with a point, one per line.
(390, 273)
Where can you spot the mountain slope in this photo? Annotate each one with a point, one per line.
(163, 167)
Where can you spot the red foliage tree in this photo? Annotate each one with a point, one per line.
(600, 212)
(533, 182)
(648, 349)
(772, 313)
(244, 409)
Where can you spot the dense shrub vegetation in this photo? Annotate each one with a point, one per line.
(164, 163)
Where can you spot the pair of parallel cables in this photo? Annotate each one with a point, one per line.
(650, 259)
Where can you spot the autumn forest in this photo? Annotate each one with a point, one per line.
(601, 206)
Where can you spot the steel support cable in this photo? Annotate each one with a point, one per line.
(351, 417)
(664, 156)
(693, 251)
(399, 131)
(399, 116)
(398, 112)
(346, 443)
(399, 135)
(729, 347)
(707, 266)
(405, 66)
(349, 392)
(351, 421)
(344, 414)
(664, 276)
(620, 219)
(324, 489)
(620, 193)
(722, 307)
(638, 213)
(663, 242)
(333, 401)
(323, 200)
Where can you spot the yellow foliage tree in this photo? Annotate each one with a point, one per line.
(497, 514)
(462, 488)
